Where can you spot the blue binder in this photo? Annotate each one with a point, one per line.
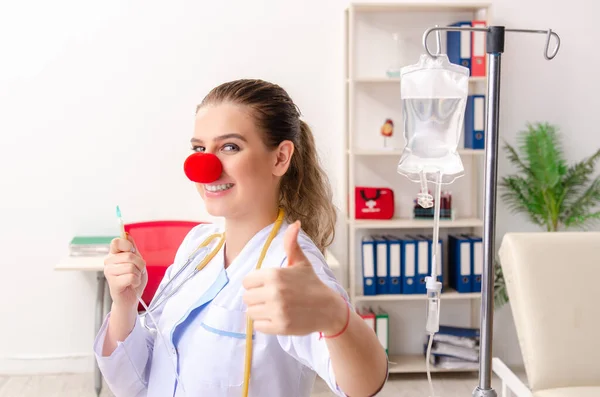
(459, 263)
(368, 265)
(409, 266)
(423, 259)
(476, 261)
(475, 122)
(395, 268)
(382, 264)
(458, 45)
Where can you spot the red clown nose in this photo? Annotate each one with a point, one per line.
(203, 167)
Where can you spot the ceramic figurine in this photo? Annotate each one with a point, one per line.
(387, 130)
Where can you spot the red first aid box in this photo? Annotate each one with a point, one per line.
(374, 203)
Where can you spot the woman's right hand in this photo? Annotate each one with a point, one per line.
(125, 272)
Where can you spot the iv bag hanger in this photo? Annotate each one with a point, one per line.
(500, 36)
(494, 48)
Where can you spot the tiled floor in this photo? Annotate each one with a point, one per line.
(82, 385)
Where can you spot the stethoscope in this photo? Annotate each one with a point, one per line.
(206, 168)
(164, 293)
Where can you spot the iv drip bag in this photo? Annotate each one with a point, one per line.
(434, 95)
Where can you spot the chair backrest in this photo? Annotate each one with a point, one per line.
(551, 284)
(157, 242)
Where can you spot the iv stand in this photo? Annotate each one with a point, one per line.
(494, 48)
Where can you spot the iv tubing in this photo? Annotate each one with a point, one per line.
(436, 226)
(432, 393)
(424, 198)
(433, 286)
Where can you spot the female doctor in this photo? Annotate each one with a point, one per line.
(250, 322)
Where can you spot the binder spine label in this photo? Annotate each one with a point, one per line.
(395, 260)
(410, 260)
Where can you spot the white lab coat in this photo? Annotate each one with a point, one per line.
(204, 328)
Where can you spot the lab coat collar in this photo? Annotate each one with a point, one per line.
(191, 296)
(205, 286)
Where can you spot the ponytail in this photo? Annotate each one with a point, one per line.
(306, 193)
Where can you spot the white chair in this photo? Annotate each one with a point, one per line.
(552, 281)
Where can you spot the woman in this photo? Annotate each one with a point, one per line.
(301, 324)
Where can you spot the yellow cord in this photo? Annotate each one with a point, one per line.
(212, 254)
(249, 323)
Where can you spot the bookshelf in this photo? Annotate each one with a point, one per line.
(448, 294)
(414, 223)
(414, 363)
(371, 97)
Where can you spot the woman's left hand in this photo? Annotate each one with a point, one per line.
(293, 300)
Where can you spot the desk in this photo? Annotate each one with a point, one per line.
(90, 264)
(96, 264)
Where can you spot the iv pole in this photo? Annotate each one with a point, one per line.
(494, 48)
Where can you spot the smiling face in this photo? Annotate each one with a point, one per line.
(251, 171)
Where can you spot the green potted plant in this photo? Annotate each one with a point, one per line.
(552, 194)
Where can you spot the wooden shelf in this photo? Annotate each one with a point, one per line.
(413, 223)
(398, 152)
(415, 7)
(448, 293)
(416, 364)
(396, 80)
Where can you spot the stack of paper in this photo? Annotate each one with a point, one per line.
(455, 348)
(90, 245)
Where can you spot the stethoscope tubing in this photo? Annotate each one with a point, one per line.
(160, 298)
(172, 292)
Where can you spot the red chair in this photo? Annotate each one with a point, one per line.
(157, 242)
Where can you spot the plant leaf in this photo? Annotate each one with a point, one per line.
(520, 197)
(514, 158)
(585, 221)
(542, 151)
(574, 181)
(579, 211)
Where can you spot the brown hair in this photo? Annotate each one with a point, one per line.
(305, 193)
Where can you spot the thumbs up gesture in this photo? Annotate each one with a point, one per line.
(292, 300)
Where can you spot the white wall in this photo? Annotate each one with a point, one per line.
(83, 83)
